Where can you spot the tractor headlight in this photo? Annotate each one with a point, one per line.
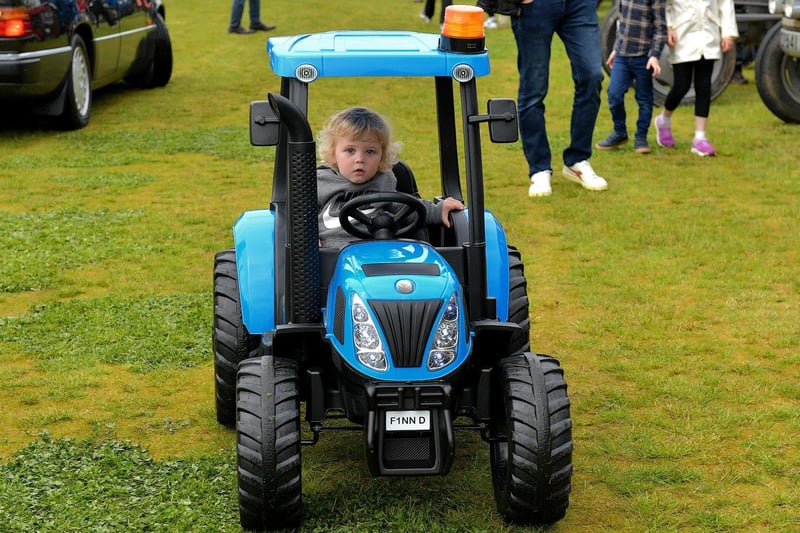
(776, 6)
(369, 348)
(374, 360)
(440, 359)
(366, 337)
(445, 340)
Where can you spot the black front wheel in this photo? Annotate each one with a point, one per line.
(531, 440)
(268, 444)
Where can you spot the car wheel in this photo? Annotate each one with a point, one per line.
(162, 56)
(518, 302)
(531, 440)
(720, 75)
(268, 444)
(778, 77)
(230, 339)
(78, 97)
(158, 71)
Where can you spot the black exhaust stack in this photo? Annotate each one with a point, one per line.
(302, 239)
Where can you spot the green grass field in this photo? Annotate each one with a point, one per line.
(672, 301)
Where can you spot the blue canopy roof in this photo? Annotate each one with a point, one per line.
(369, 53)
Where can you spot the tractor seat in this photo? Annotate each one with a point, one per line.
(408, 184)
(405, 179)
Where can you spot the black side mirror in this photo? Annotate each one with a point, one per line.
(264, 124)
(503, 126)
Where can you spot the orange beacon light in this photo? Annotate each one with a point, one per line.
(462, 30)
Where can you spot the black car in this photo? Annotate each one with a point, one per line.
(54, 53)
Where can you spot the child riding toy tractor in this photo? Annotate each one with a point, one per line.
(401, 332)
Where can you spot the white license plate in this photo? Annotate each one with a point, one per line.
(790, 43)
(408, 420)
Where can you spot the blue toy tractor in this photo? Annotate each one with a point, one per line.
(405, 332)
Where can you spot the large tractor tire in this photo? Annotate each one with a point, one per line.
(720, 76)
(268, 444)
(518, 302)
(778, 77)
(531, 440)
(230, 339)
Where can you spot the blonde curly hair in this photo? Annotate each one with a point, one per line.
(358, 123)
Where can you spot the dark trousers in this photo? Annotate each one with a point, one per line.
(629, 71)
(430, 7)
(701, 71)
(576, 23)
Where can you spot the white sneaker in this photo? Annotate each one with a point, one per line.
(424, 17)
(491, 23)
(540, 183)
(583, 173)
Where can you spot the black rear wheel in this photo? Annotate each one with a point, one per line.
(158, 70)
(230, 339)
(518, 302)
(531, 440)
(268, 444)
(161, 68)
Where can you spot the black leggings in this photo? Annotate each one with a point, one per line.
(701, 69)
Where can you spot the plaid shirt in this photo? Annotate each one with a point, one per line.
(641, 28)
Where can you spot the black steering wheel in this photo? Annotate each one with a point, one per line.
(381, 223)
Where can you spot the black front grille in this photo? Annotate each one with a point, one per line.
(407, 326)
(414, 396)
(408, 452)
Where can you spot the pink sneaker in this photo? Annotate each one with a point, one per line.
(663, 133)
(703, 148)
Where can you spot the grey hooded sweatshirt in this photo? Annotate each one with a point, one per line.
(334, 190)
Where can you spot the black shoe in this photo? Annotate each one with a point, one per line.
(641, 146)
(240, 30)
(613, 140)
(737, 78)
(261, 27)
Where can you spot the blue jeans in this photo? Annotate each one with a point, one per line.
(238, 10)
(629, 70)
(576, 23)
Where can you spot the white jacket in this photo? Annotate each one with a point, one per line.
(700, 26)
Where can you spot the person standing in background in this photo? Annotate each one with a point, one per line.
(641, 35)
(491, 21)
(237, 10)
(534, 23)
(430, 7)
(698, 32)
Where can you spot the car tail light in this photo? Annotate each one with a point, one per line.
(462, 31)
(15, 22)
